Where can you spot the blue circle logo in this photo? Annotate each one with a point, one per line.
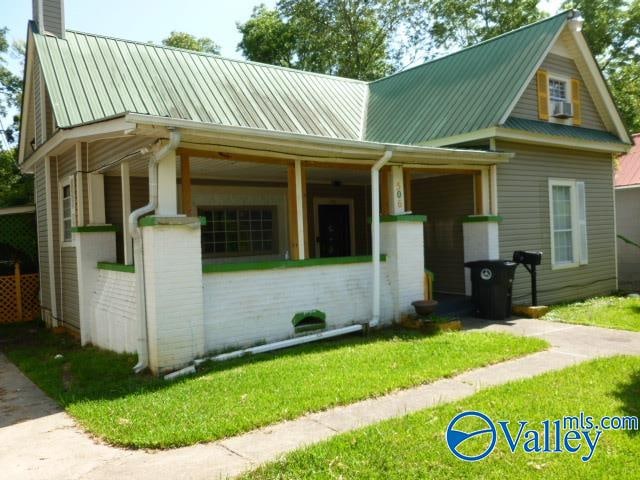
(457, 438)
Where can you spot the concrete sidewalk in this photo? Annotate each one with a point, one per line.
(44, 442)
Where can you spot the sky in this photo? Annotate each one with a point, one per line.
(151, 20)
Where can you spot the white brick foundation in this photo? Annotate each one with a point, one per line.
(93, 244)
(247, 307)
(113, 323)
(173, 281)
(402, 239)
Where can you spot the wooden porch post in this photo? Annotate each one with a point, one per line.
(407, 189)
(384, 191)
(127, 241)
(185, 181)
(296, 190)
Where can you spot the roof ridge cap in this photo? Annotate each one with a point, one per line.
(213, 55)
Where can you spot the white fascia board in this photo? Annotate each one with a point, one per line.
(62, 138)
(628, 187)
(26, 96)
(562, 142)
(334, 146)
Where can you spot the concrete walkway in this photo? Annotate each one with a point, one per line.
(39, 441)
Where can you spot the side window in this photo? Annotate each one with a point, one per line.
(568, 223)
(66, 209)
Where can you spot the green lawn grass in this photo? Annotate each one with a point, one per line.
(414, 446)
(228, 398)
(609, 312)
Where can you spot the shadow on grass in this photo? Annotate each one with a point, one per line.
(90, 373)
(629, 394)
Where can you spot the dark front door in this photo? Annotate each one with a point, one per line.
(334, 233)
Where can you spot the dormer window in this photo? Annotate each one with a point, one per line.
(558, 98)
(557, 90)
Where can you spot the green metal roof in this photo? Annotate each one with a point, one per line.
(91, 78)
(559, 130)
(459, 93)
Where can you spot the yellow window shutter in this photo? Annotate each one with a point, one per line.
(575, 99)
(543, 94)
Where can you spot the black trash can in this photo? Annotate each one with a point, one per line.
(491, 285)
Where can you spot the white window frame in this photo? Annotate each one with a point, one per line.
(578, 224)
(69, 181)
(567, 81)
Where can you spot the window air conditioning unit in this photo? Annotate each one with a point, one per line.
(561, 109)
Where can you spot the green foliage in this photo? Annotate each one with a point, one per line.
(10, 86)
(414, 446)
(612, 30)
(610, 312)
(460, 23)
(349, 38)
(189, 42)
(99, 389)
(15, 188)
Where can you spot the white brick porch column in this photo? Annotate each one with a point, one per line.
(173, 283)
(402, 240)
(481, 241)
(94, 243)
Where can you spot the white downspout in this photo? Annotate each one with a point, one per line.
(375, 234)
(138, 261)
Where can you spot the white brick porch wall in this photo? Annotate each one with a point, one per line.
(247, 307)
(113, 323)
(403, 242)
(173, 283)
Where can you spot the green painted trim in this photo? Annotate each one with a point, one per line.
(153, 221)
(403, 218)
(116, 267)
(95, 228)
(281, 264)
(408, 217)
(319, 322)
(481, 218)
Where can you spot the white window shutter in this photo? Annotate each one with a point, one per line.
(582, 223)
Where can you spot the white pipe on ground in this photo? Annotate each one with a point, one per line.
(138, 252)
(375, 234)
(291, 342)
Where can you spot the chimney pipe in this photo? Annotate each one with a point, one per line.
(49, 17)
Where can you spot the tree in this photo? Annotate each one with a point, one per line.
(189, 42)
(612, 30)
(349, 38)
(10, 89)
(15, 188)
(460, 23)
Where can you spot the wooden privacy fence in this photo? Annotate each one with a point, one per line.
(19, 297)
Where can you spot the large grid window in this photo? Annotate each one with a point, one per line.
(236, 231)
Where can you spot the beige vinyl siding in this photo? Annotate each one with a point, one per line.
(69, 281)
(55, 229)
(628, 216)
(445, 200)
(66, 268)
(40, 194)
(106, 152)
(139, 187)
(523, 201)
(527, 106)
(37, 99)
